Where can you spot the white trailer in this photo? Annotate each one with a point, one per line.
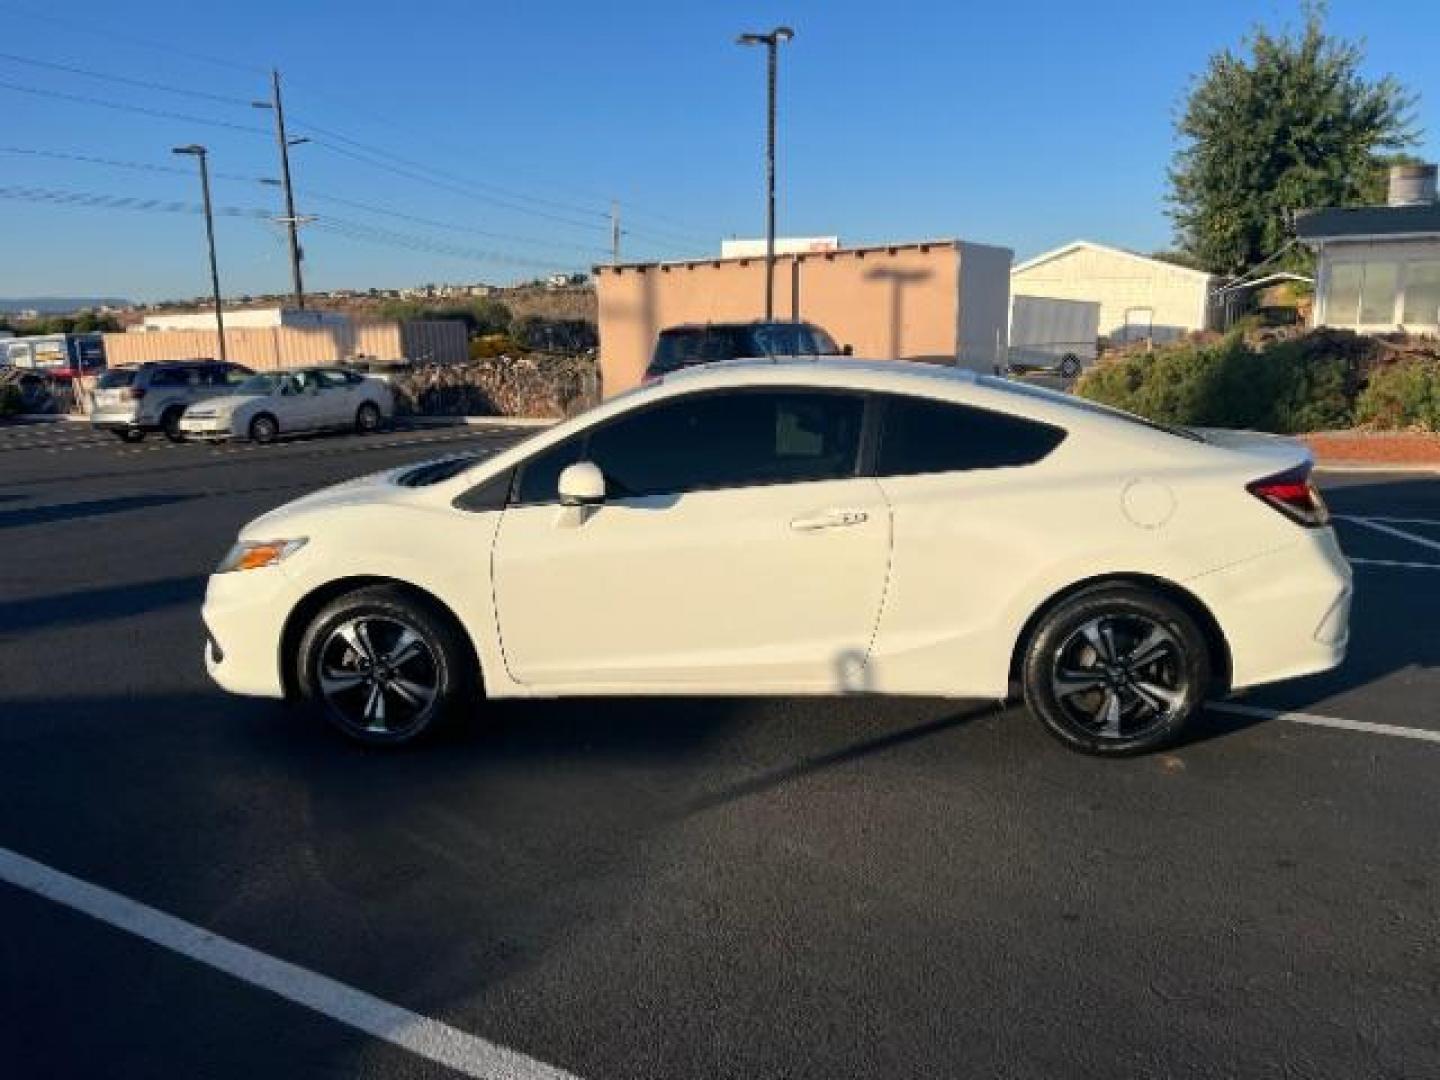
(1053, 335)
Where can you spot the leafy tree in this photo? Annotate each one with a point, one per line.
(1291, 126)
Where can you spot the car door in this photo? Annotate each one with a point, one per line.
(306, 406)
(737, 549)
(338, 399)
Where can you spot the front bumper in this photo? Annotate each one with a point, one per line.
(245, 614)
(205, 428)
(1284, 614)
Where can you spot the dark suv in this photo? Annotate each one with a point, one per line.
(685, 346)
(152, 396)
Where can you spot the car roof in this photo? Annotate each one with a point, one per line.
(741, 325)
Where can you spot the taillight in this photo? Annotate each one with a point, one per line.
(1293, 495)
(137, 392)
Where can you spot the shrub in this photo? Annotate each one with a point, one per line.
(10, 400)
(1288, 386)
(1403, 395)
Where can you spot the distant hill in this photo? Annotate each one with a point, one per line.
(56, 305)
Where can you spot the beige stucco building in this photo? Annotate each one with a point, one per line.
(943, 301)
(1140, 298)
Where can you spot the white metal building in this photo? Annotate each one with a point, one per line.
(244, 318)
(1378, 267)
(1140, 298)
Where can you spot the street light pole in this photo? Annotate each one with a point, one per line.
(292, 222)
(200, 153)
(771, 41)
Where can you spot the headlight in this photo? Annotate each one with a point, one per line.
(254, 555)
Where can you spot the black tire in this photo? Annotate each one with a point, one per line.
(170, 423)
(368, 418)
(130, 435)
(1139, 698)
(1069, 365)
(264, 429)
(347, 656)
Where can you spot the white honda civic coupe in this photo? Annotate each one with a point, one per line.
(801, 527)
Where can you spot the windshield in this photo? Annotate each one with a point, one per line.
(260, 384)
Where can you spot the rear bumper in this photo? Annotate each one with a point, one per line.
(1284, 614)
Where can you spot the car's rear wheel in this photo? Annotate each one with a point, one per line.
(1117, 670)
(264, 429)
(367, 418)
(384, 665)
(1070, 365)
(170, 424)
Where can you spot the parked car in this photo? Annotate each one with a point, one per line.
(266, 406)
(801, 528)
(135, 399)
(708, 343)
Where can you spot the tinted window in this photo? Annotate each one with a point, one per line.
(540, 476)
(730, 440)
(700, 345)
(169, 377)
(821, 343)
(780, 339)
(333, 379)
(115, 379)
(925, 436)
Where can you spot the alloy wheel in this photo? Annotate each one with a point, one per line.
(1120, 676)
(378, 675)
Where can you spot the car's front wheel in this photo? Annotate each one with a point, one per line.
(1116, 670)
(367, 418)
(170, 424)
(384, 665)
(264, 429)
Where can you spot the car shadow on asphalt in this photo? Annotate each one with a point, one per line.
(99, 605)
(47, 515)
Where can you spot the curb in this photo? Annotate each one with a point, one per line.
(50, 418)
(476, 421)
(1376, 467)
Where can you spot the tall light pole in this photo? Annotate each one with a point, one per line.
(199, 152)
(291, 221)
(771, 41)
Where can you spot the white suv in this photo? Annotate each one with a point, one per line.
(133, 400)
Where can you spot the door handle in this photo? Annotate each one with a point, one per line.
(831, 519)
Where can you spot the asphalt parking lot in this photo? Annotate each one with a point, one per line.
(665, 888)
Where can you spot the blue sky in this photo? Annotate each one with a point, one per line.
(1025, 125)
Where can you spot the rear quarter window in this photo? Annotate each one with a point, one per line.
(920, 436)
(115, 379)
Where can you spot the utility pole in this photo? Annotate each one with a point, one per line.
(199, 152)
(614, 233)
(292, 222)
(771, 41)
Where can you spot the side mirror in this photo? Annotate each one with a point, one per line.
(847, 350)
(582, 484)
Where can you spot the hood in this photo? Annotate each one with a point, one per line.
(374, 488)
(223, 404)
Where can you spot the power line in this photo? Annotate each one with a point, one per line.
(402, 216)
(355, 204)
(480, 184)
(123, 202)
(399, 170)
(338, 226)
(137, 166)
(124, 81)
(118, 107)
(87, 26)
(369, 234)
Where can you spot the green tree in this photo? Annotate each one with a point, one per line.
(1291, 125)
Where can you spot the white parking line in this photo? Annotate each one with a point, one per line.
(420, 1035)
(1367, 728)
(1400, 563)
(1390, 530)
